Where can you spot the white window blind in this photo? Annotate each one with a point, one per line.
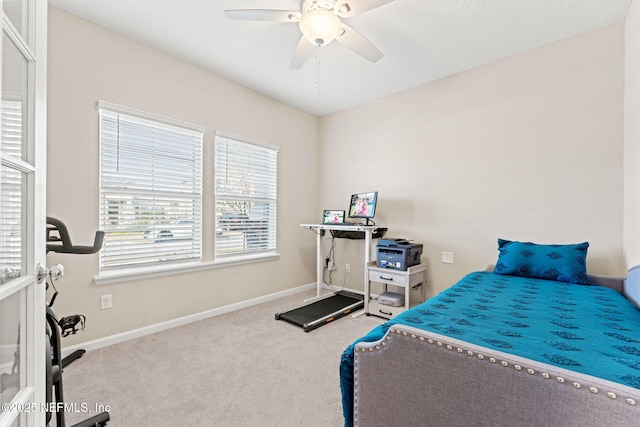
(246, 196)
(150, 189)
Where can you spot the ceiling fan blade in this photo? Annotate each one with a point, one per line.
(301, 54)
(264, 15)
(359, 44)
(347, 8)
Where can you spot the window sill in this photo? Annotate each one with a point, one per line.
(118, 276)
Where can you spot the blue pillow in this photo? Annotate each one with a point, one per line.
(631, 287)
(563, 263)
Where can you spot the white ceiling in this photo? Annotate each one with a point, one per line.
(422, 41)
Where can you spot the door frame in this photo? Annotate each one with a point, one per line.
(32, 44)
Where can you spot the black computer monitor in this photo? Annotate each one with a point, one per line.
(363, 205)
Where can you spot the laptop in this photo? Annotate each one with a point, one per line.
(334, 217)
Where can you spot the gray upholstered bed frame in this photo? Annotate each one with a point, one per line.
(413, 377)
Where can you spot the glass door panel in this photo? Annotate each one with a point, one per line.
(15, 392)
(10, 317)
(15, 74)
(12, 228)
(17, 12)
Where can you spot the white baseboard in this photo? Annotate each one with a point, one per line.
(146, 330)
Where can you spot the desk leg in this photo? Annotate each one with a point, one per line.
(367, 258)
(319, 266)
(367, 248)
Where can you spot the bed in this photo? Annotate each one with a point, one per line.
(535, 342)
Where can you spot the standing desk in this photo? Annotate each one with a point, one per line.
(320, 231)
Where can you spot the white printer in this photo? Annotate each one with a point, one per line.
(391, 298)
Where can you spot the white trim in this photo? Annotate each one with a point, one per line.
(17, 164)
(116, 276)
(103, 105)
(16, 38)
(162, 326)
(7, 418)
(16, 285)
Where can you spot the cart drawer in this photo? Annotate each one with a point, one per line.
(389, 277)
(385, 311)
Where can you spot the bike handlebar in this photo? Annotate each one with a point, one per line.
(62, 242)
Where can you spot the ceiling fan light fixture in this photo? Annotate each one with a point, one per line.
(320, 26)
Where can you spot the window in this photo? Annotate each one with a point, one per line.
(246, 195)
(150, 189)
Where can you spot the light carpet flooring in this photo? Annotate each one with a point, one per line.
(238, 369)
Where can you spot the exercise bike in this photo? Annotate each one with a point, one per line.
(59, 240)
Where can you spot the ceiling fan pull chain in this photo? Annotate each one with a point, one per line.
(318, 70)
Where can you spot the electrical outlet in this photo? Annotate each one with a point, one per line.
(347, 268)
(106, 302)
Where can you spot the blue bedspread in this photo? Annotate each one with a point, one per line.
(589, 329)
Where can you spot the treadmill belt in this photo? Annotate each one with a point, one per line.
(323, 311)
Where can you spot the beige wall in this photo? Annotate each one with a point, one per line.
(527, 148)
(632, 137)
(87, 64)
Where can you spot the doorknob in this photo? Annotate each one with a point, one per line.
(41, 273)
(55, 272)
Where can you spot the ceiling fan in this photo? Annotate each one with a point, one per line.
(320, 23)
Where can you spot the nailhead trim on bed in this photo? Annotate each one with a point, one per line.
(530, 371)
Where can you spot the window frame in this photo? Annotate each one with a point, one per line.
(263, 242)
(193, 251)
